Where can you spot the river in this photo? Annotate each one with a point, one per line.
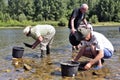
(49, 68)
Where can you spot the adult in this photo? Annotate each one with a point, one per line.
(77, 16)
(43, 34)
(94, 45)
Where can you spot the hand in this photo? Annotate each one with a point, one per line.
(73, 30)
(88, 66)
(72, 60)
(33, 47)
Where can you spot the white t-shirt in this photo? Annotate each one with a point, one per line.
(42, 30)
(100, 41)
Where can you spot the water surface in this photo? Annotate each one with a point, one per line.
(48, 68)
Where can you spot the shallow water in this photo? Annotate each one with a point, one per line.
(49, 68)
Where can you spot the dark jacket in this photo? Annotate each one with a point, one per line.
(78, 15)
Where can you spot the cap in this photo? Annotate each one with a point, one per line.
(84, 31)
(90, 26)
(26, 30)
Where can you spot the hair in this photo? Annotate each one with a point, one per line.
(26, 30)
(84, 6)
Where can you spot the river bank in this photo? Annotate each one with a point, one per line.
(54, 23)
(107, 24)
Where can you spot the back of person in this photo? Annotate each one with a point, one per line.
(41, 30)
(100, 41)
(78, 15)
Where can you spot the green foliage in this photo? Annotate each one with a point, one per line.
(4, 17)
(22, 17)
(46, 10)
(94, 19)
(2, 5)
(39, 18)
(107, 9)
(117, 17)
(62, 22)
(1, 16)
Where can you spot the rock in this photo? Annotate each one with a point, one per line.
(19, 69)
(27, 67)
(7, 70)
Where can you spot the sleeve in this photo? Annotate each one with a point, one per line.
(37, 34)
(99, 45)
(74, 13)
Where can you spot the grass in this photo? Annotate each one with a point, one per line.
(107, 24)
(16, 24)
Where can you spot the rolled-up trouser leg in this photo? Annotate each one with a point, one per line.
(48, 47)
(47, 41)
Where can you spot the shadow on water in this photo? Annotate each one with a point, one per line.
(30, 68)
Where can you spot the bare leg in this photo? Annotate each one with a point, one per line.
(91, 52)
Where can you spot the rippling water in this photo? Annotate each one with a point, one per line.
(60, 51)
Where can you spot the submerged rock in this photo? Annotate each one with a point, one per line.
(91, 73)
(27, 67)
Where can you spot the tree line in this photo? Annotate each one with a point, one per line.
(55, 10)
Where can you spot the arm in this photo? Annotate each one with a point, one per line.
(72, 25)
(85, 21)
(98, 57)
(80, 53)
(37, 42)
(93, 61)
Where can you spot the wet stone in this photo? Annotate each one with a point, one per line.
(91, 73)
(20, 70)
(27, 67)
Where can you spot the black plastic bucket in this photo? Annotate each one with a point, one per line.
(69, 68)
(17, 52)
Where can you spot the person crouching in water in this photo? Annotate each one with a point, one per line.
(43, 34)
(94, 45)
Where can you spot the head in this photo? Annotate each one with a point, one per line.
(79, 35)
(84, 8)
(86, 33)
(26, 31)
(90, 26)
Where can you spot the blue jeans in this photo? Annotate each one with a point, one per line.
(107, 53)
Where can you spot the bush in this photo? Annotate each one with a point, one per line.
(93, 19)
(62, 22)
(22, 17)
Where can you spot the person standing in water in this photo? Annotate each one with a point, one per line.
(43, 35)
(77, 16)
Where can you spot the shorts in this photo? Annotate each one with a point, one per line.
(107, 53)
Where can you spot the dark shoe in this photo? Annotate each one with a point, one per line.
(102, 60)
(48, 50)
(37, 56)
(43, 53)
(97, 67)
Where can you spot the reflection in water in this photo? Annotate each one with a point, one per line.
(49, 68)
